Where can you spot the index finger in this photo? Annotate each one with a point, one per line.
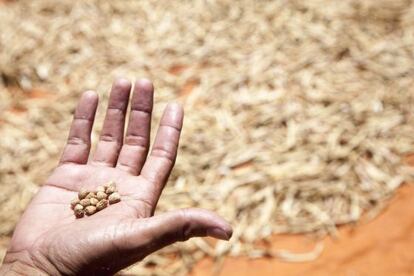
(79, 141)
(159, 164)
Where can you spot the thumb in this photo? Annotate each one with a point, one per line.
(144, 236)
(119, 245)
(134, 239)
(183, 224)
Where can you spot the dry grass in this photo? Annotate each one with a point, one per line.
(298, 112)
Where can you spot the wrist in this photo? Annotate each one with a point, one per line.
(19, 268)
(21, 263)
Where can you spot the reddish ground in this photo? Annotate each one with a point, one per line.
(384, 246)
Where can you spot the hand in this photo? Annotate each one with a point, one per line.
(49, 239)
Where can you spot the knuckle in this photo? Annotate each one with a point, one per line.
(142, 108)
(185, 231)
(113, 110)
(136, 140)
(76, 141)
(164, 152)
(108, 138)
(172, 127)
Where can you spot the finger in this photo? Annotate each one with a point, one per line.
(135, 149)
(136, 238)
(164, 152)
(115, 246)
(79, 141)
(112, 133)
(180, 225)
(154, 233)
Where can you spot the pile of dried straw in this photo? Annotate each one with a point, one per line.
(298, 112)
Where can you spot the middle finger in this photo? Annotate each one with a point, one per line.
(112, 134)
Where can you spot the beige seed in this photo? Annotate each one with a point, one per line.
(74, 202)
(93, 201)
(100, 189)
(106, 185)
(78, 207)
(101, 195)
(85, 202)
(82, 193)
(110, 190)
(90, 210)
(102, 204)
(91, 195)
(79, 213)
(114, 198)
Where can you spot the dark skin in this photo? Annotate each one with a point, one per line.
(49, 239)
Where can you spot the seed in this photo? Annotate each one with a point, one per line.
(106, 185)
(102, 204)
(101, 195)
(93, 201)
(78, 207)
(100, 189)
(91, 195)
(82, 193)
(90, 210)
(74, 202)
(85, 202)
(111, 188)
(114, 198)
(79, 213)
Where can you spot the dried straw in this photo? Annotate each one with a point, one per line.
(298, 112)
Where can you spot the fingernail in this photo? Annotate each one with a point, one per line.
(218, 233)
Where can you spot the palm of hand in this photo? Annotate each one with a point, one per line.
(49, 236)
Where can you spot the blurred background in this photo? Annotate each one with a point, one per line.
(299, 121)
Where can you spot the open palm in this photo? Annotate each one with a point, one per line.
(50, 238)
